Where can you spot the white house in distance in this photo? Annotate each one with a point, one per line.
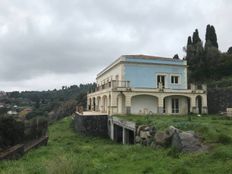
(141, 84)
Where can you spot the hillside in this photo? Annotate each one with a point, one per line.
(67, 152)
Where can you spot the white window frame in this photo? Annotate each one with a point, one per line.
(178, 77)
(165, 79)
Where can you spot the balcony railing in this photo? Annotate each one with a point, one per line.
(113, 84)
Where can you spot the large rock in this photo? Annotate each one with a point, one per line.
(163, 138)
(186, 142)
(145, 134)
(171, 130)
(146, 131)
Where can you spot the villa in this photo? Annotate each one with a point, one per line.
(141, 84)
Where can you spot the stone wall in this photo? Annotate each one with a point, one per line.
(219, 99)
(13, 152)
(93, 125)
(19, 150)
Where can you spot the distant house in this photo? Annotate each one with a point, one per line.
(12, 112)
(141, 84)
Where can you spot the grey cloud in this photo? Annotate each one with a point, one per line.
(76, 36)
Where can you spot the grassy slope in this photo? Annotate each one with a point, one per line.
(67, 152)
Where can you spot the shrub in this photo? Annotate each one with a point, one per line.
(174, 152)
(224, 139)
(11, 131)
(35, 128)
(222, 153)
(148, 170)
(180, 170)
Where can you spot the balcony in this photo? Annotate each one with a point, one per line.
(114, 84)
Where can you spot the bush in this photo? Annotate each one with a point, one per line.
(35, 128)
(224, 139)
(222, 153)
(180, 170)
(174, 152)
(11, 131)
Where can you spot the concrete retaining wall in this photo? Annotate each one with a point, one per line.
(93, 125)
(121, 131)
(19, 150)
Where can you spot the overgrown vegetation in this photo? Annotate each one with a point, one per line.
(13, 131)
(69, 152)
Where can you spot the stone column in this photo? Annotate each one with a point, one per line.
(91, 104)
(160, 105)
(204, 105)
(193, 107)
(100, 104)
(123, 135)
(128, 104)
(112, 130)
(87, 107)
(97, 104)
(113, 108)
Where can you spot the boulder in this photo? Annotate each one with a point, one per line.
(171, 130)
(141, 127)
(145, 131)
(144, 134)
(137, 139)
(163, 138)
(186, 142)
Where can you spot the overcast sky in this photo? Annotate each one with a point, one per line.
(45, 44)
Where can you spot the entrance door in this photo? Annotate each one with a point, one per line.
(161, 81)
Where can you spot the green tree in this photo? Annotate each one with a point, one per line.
(211, 37)
(229, 50)
(176, 56)
(212, 53)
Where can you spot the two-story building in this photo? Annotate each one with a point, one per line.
(141, 84)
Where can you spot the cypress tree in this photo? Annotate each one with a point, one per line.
(176, 56)
(214, 37)
(189, 41)
(196, 37)
(208, 33)
(189, 50)
(211, 37)
(229, 50)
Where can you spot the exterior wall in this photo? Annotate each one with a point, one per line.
(183, 105)
(111, 74)
(144, 104)
(145, 76)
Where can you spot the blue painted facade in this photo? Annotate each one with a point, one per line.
(142, 73)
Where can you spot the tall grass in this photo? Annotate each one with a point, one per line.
(68, 152)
